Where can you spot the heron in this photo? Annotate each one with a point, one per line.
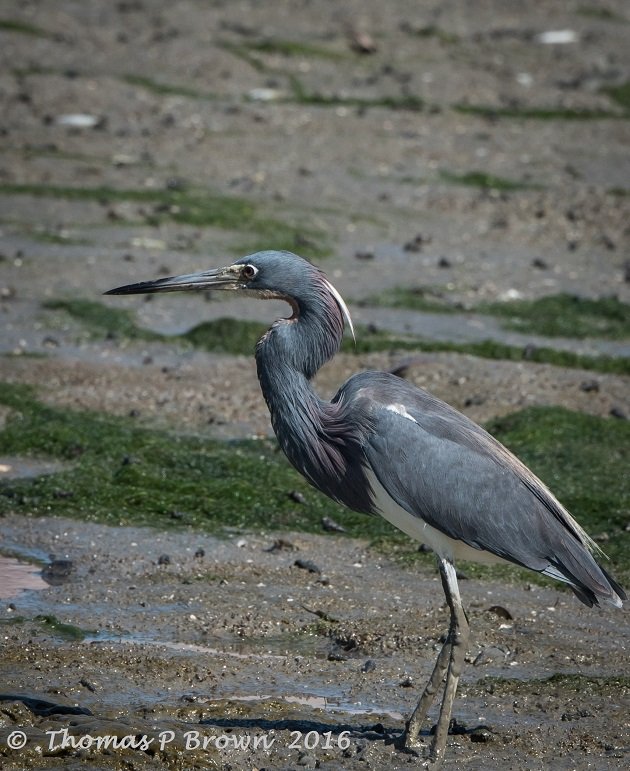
(383, 446)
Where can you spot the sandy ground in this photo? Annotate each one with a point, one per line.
(229, 644)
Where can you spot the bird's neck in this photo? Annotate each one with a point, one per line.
(287, 357)
(316, 435)
(306, 341)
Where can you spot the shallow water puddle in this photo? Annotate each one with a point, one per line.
(25, 468)
(332, 701)
(327, 703)
(15, 576)
(260, 648)
(177, 646)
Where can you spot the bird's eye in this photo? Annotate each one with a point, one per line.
(249, 271)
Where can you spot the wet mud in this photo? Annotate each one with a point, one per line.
(142, 649)
(153, 634)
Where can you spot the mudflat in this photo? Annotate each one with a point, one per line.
(435, 160)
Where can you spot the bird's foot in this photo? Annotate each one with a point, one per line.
(413, 745)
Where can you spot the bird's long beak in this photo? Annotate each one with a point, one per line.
(221, 278)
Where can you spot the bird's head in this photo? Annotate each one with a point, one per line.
(268, 275)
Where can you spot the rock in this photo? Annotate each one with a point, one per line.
(57, 571)
(279, 544)
(490, 654)
(307, 565)
(330, 526)
(416, 243)
(264, 94)
(79, 120)
(557, 37)
(296, 496)
(361, 42)
(482, 735)
(501, 612)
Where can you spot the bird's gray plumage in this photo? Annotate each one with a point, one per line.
(442, 467)
(383, 446)
(436, 463)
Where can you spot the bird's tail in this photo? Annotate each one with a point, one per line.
(592, 584)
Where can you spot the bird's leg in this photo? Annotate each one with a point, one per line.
(449, 662)
(414, 724)
(458, 637)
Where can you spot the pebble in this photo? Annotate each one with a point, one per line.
(279, 544)
(296, 496)
(416, 243)
(78, 120)
(473, 401)
(500, 611)
(307, 565)
(482, 735)
(490, 654)
(330, 526)
(557, 37)
(57, 571)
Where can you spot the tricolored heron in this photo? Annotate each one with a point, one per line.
(383, 446)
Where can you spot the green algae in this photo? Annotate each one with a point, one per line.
(121, 473)
(237, 336)
(67, 631)
(538, 113)
(564, 315)
(200, 208)
(22, 28)
(557, 315)
(485, 181)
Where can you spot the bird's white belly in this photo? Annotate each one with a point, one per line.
(417, 528)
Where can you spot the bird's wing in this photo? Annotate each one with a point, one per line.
(441, 467)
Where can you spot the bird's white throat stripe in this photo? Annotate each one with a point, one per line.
(342, 305)
(399, 409)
